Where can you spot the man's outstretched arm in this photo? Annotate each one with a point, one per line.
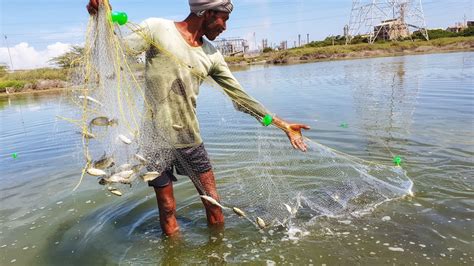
(243, 102)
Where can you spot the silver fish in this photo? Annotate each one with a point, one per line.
(103, 121)
(213, 201)
(177, 127)
(238, 211)
(292, 211)
(90, 99)
(121, 177)
(124, 139)
(261, 223)
(114, 191)
(104, 162)
(141, 158)
(149, 176)
(95, 172)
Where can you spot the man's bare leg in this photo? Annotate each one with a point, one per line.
(167, 209)
(214, 214)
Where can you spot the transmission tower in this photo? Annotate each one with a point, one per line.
(386, 19)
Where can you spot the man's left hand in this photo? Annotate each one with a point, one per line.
(293, 131)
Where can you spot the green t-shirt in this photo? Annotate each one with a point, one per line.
(172, 82)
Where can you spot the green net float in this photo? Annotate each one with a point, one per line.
(267, 120)
(397, 160)
(344, 125)
(14, 155)
(120, 18)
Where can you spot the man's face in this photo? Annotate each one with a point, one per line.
(215, 24)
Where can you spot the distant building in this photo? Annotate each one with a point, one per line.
(458, 27)
(391, 29)
(232, 46)
(470, 23)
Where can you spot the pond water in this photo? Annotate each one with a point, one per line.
(419, 107)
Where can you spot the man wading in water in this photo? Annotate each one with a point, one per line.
(179, 87)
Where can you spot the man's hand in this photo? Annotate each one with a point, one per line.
(296, 138)
(293, 131)
(93, 6)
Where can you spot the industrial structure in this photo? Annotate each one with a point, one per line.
(460, 26)
(232, 46)
(385, 19)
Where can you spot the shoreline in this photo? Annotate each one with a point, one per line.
(45, 91)
(357, 51)
(329, 53)
(235, 67)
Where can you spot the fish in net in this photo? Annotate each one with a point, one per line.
(123, 143)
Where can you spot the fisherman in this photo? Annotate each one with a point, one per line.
(175, 89)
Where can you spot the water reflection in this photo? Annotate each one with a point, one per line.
(384, 101)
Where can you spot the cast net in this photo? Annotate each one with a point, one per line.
(123, 143)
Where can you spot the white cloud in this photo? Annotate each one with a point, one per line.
(25, 56)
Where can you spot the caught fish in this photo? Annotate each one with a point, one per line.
(103, 121)
(114, 191)
(149, 176)
(95, 172)
(238, 211)
(121, 177)
(141, 158)
(104, 162)
(124, 139)
(89, 98)
(177, 127)
(213, 201)
(292, 211)
(288, 208)
(261, 223)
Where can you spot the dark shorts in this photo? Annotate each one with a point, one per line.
(190, 162)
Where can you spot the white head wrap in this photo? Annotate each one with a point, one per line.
(200, 6)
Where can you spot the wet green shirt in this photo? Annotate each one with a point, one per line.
(173, 76)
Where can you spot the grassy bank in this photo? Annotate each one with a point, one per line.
(309, 53)
(54, 78)
(35, 79)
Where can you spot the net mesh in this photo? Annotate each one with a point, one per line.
(267, 178)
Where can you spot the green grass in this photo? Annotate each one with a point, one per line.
(341, 50)
(19, 79)
(17, 84)
(36, 74)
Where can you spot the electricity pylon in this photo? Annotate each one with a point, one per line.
(373, 17)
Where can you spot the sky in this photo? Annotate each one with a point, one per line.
(34, 31)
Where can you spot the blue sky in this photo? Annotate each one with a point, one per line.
(36, 30)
